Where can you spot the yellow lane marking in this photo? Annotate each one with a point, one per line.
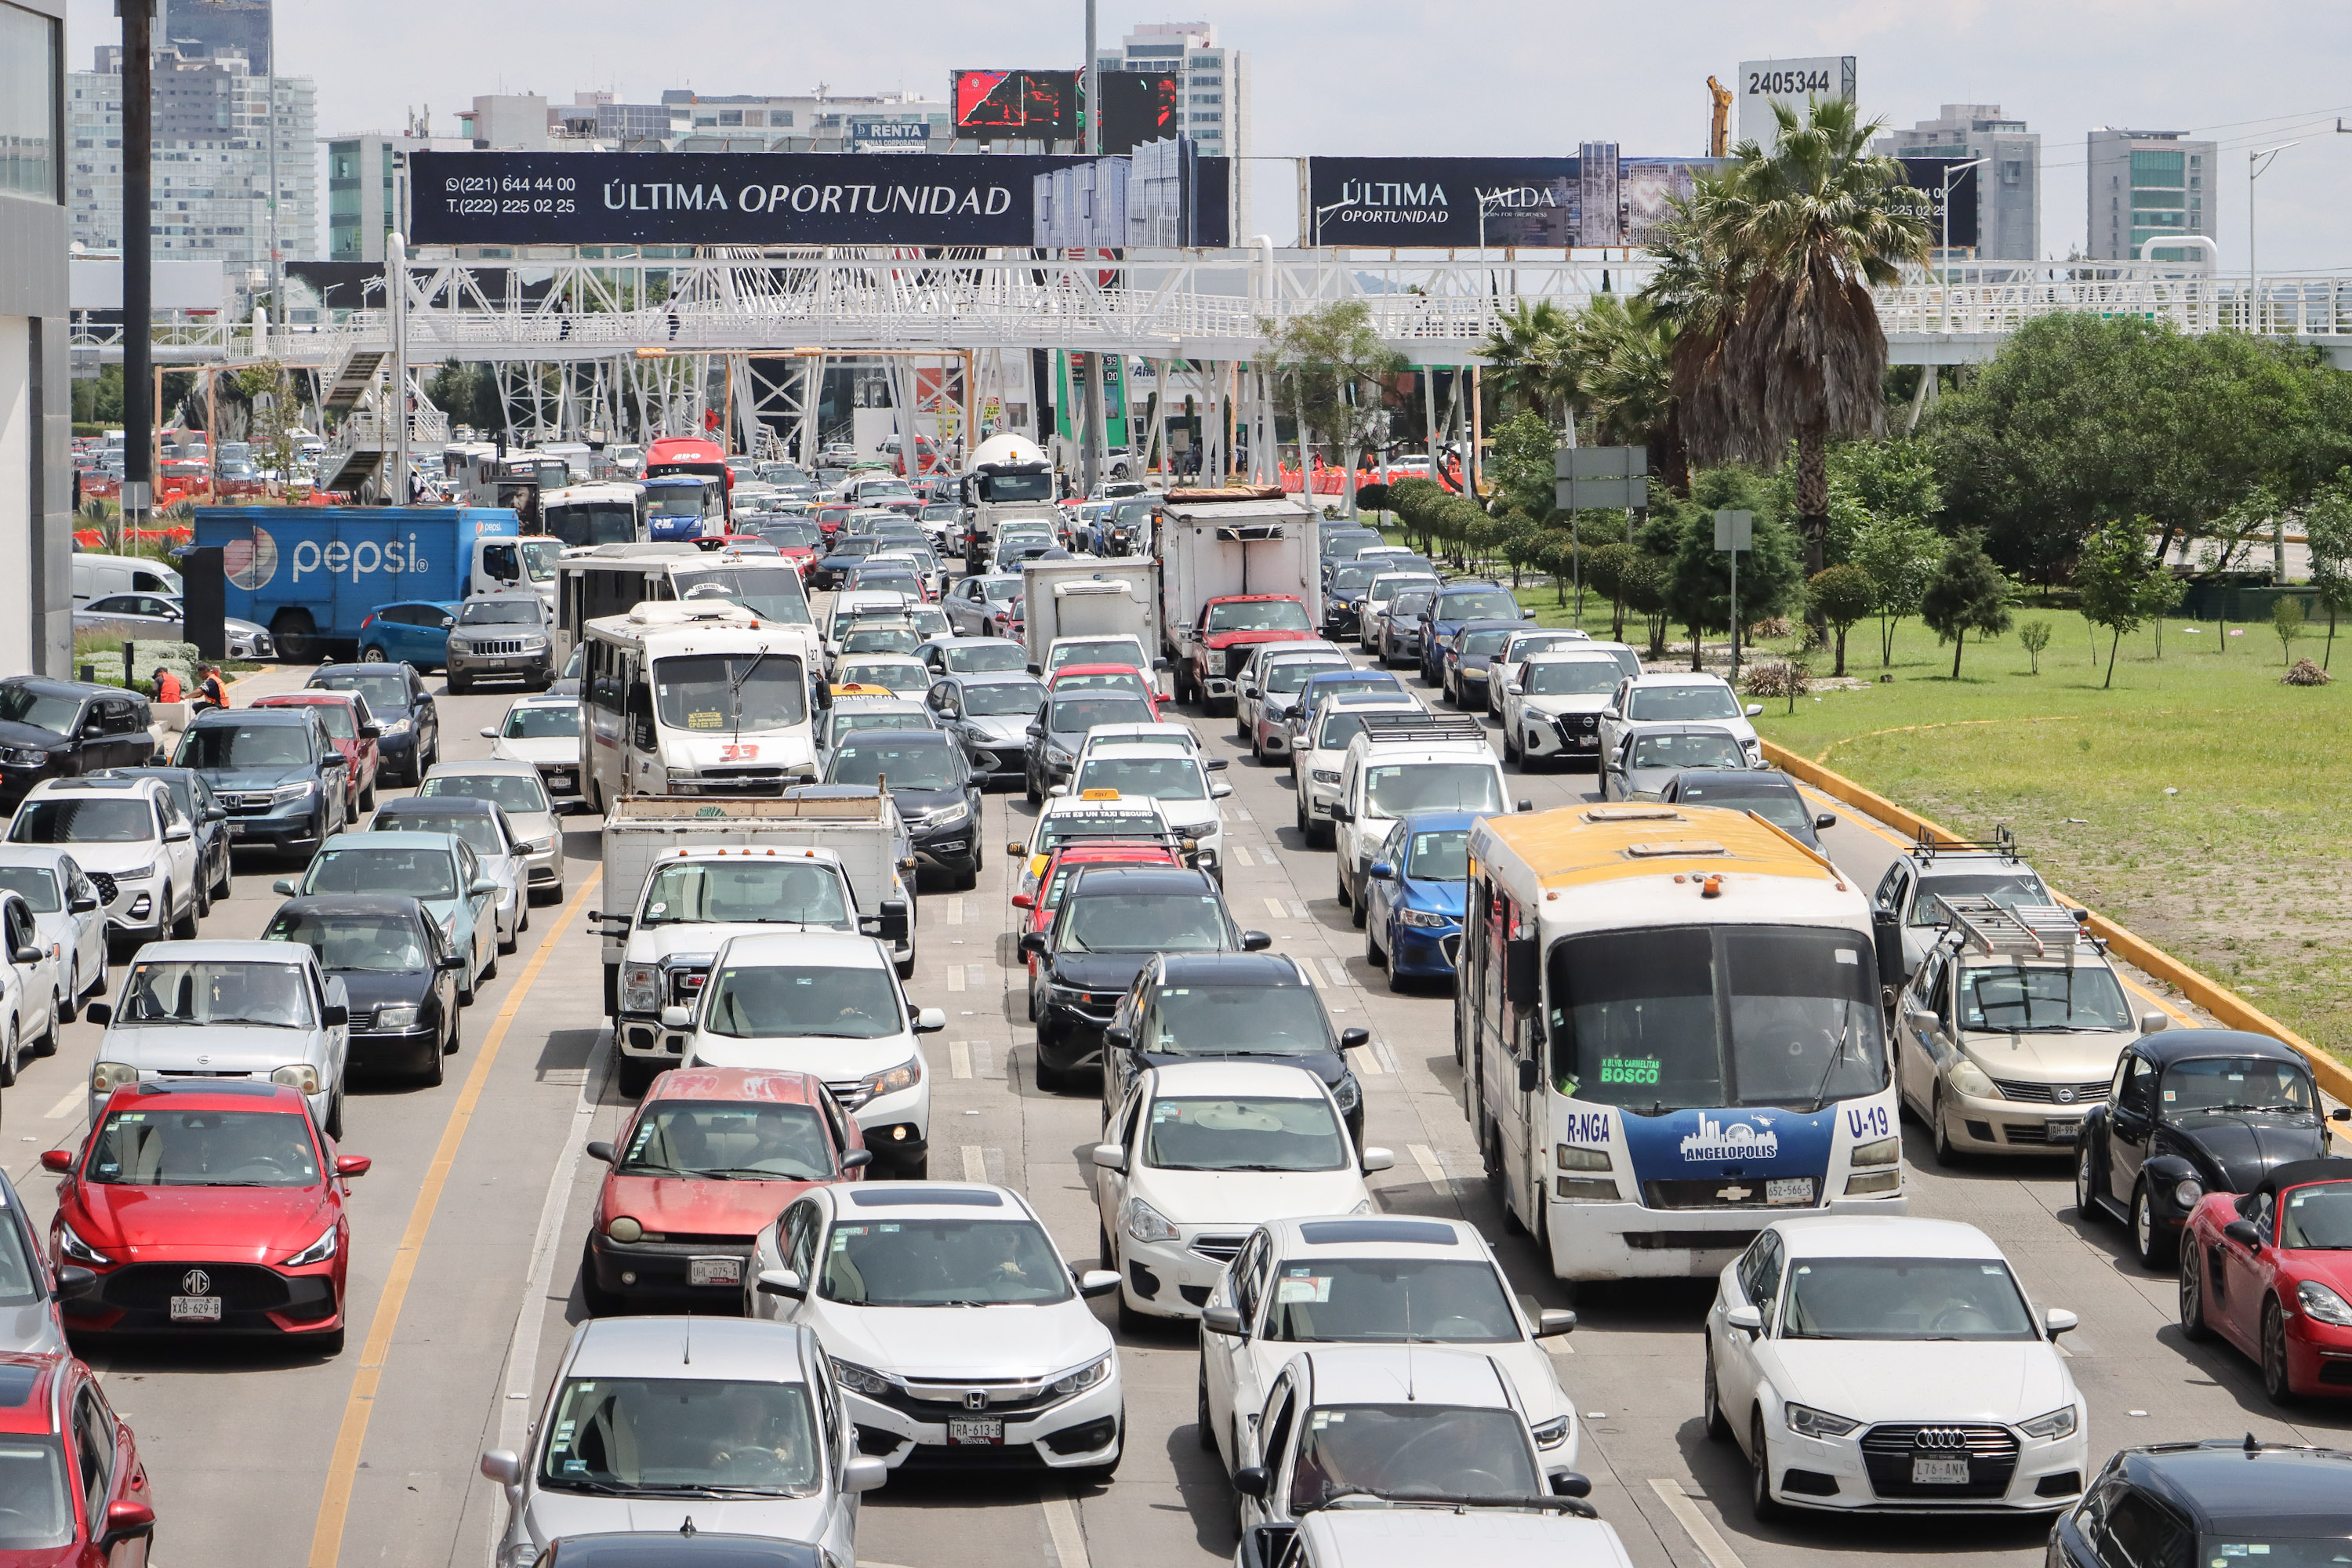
(342, 1470)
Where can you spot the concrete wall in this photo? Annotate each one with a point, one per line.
(36, 426)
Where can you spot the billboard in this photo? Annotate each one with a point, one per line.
(1647, 189)
(1441, 201)
(1015, 105)
(1763, 83)
(1926, 176)
(1140, 107)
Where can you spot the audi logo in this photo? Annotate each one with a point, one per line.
(976, 1399)
(196, 1283)
(1950, 1437)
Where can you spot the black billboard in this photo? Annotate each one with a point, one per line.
(724, 198)
(1440, 201)
(1140, 107)
(1926, 176)
(1016, 105)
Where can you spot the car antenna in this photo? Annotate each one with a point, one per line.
(689, 1339)
(2253, 1444)
(687, 1528)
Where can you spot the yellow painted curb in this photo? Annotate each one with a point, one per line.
(2223, 1004)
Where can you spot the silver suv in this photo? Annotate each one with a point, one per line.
(499, 637)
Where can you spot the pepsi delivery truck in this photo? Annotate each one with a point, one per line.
(312, 575)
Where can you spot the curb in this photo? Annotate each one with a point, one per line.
(2222, 1002)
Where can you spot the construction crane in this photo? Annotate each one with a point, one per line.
(1718, 131)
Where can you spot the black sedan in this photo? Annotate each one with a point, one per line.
(2193, 1111)
(2234, 1500)
(1769, 794)
(938, 795)
(846, 552)
(389, 955)
(989, 714)
(403, 711)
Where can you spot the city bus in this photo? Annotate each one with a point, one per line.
(583, 515)
(684, 506)
(699, 697)
(1669, 1023)
(613, 579)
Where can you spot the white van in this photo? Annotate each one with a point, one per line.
(95, 576)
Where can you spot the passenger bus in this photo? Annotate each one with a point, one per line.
(696, 699)
(583, 515)
(684, 506)
(697, 455)
(1669, 1022)
(613, 579)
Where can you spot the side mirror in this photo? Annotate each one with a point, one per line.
(1349, 1039)
(1118, 1037)
(1222, 1320)
(1526, 805)
(1255, 942)
(74, 1280)
(99, 1013)
(1109, 1157)
(1340, 812)
(455, 963)
(1097, 1282)
(1016, 849)
(930, 1020)
(1567, 1483)
(1754, 709)
(1252, 693)
(483, 887)
(857, 1160)
(501, 1466)
(2153, 1023)
(1749, 1319)
(1033, 942)
(1511, 689)
(2341, 1113)
(490, 732)
(212, 813)
(864, 1474)
(27, 954)
(338, 1015)
(1554, 1320)
(2243, 1233)
(283, 884)
(1023, 902)
(370, 732)
(1530, 1075)
(1825, 821)
(1252, 1481)
(335, 760)
(126, 1520)
(780, 1282)
(1058, 792)
(350, 1165)
(83, 905)
(2059, 1320)
(59, 1160)
(1382, 871)
(676, 1017)
(1377, 1159)
(1219, 789)
(601, 1149)
(1217, 764)
(180, 834)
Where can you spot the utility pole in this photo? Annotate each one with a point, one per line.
(1098, 433)
(137, 262)
(276, 254)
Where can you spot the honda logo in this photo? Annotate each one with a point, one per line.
(976, 1399)
(196, 1283)
(1947, 1438)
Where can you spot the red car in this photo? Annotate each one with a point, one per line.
(1230, 629)
(350, 727)
(73, 1493)
(710, 1158)
(2271, 1272)
(207, 1206)
(1061, 861)
(1104, 677)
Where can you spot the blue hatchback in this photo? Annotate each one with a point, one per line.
(414, 632)
(1413, 895)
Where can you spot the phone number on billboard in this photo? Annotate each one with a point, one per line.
(512, 185)
(506, 207)
(1774, 83)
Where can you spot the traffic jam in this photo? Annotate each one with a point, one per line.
(973, 1090)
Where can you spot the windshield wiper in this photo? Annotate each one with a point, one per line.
(581, 1484)
(1821, 1090)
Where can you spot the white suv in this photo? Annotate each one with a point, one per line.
(1320, 748)
(133, 842)
(1685, 699)
(1397, 766)
(1552, 704)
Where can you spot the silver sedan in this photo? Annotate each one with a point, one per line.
(516, 789)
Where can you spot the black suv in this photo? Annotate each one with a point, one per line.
(2234, 1500)
(403, 708)
(274, 770)
(1113, 922)
(936, 792)
(64, 729)
(1188, 1005)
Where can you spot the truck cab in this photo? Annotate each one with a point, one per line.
(1229, 631)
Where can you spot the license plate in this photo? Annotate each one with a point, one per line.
(239, 829)
(1588, 740)
(1940, 1472)
(714, 1271)
(988, 1430)
(1790, 1189)
(196, 1309)
(2062, 1132)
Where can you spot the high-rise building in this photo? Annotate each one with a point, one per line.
(2150, 185)
(35, 397)
(213, 130)
(2009, 185)
(819, 122)
(219, 26)
(1215, 95)
(362, 199)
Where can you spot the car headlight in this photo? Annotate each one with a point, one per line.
(301, 1075)
(1424, 921)
(1551, 1434)
(2059, 1423)
(538, 845)
(23, 756)
(1326, 775)
(74, 1249)
(1061, 758)
(1086, 1376)
(396, 1017)
(108, 1077)
(1347, 1092)
(318, 1251)
(531, 644)
(623, 1228)
(2319, 1302)
(460, 645)
(395, 726)
(286, 794)
(862, 1379)
(1970, 1079)
(2189, 1193)
(640, 987)
(947, 815)
(890, 1080)
(1808, 1422)
(1145, 1223)
(136, 873)
(1884, 1151)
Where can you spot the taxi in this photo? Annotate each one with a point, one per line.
(1095, 814)
(1064, 858)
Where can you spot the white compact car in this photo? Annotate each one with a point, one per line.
(1682, 699)
(1552, 706)
(1378, 1279)
(956, 1328)
(1178, 780)
(1201, 1153)
(830, 1005)
(32, 987)
(65, 906)
(654, 1421)
(543, 731)
(132, 840)
(1892, 1364)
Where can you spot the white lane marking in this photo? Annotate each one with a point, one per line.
(1244, 814)
(1703, 1533)
(1242, 854)
(959, 1059)
(955, 977)
(1426, 1158)
(1277, 909)
(75, 1099)
(1388, 1057)
(1069, 1537)
(1265, 858)
(955, 911)
(983, 1059)
(975, 1164)
(1368, 1064)
(1335, 969)
(1300, 911)
(979, 973)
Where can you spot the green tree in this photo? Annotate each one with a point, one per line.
(270, 392)
(1329, 369)
(1415, 502)
(2289, 621)
(2033, 636)
(1901, 556)
(1526, 356)
(1620, 350)
(1967, 594)
(2119, 586)
(1646, 579)
(2328, 528)
(1869, 481)
(1521, 464)
(1605, 572)
(1842, 595)
(1772, 575)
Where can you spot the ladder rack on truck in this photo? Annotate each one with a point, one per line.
(2028, 931)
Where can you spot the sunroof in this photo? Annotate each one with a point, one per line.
(1358, 1232)
(867, 1197)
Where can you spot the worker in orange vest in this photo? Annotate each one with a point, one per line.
(167, 685)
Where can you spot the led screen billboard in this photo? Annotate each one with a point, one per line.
(1016, 105)
(1925, 176)
(1140, 107)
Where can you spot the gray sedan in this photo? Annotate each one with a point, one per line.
(1650, 756)
(988, 713)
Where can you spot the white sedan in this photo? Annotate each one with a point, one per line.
(543, 731)
(1202, 1152)
(65, 906)
(1892, 1364)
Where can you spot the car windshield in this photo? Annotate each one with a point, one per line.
(2042, 998)
(1479, 644)
(1569, 677)
(1081, 713)
(772, 593)
(1903, 1299)
(385, 693)
(1288, 675)
(798, 1001)
(1129, 680)
(1410, 603)
(1712, 701)
(1237, 1020)
(681, 1436)
(1768, 795)
(985, 659)
(2318, 1216)
(791, 534)
(1710, 748)
(37, 885)
(730, 1140)
(243, 746)
(1409, 787)
(1696, 1016)
(1323, 683)
(1158, 922)
(1003, 699)
(336, 716)
(1175, 777)
(1099, 651)
(745, 893)
(731, 691)
(216, 991)
(156, 1146)
(1254, 1135)
(476, 828)
(33, 1478)
(894, 674)
(41, 709)
(1389, 1300)
(514, 792)
(904, 764)
(84, 819)
(542, 721)
(1440, 856)
(880, 640)
(1349, 576)
(1001, 590)
(378, 944)
(1483, 604)
(2275, 1550)
(943, 1263)
(1413, 1451)
(2010, 890)
(500, 613)
(410, 872)
(2236, 1083)
(1385, 590)
(1520, 645)
(1258, 615)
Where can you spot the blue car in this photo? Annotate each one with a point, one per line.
(1457, 604)
(439, 870)
(415, 632)
(1413, 896)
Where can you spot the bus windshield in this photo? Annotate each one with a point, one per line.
(732, 691)
(771, 593)
(676, 500)
(593, 522)
(1696, 1017)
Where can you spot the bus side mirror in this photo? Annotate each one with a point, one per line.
(1530, 1075)
(1521, 971)
(1886, 936)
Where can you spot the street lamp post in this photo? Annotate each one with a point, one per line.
(1946, 211)
(2258, 162)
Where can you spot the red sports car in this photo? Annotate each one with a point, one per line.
(72, 1492)
(2271, 1272)
(709, 1160)
(205, 1205)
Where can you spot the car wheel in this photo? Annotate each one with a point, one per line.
(1030, 788)
(184, 929)
(1711, 1400)
(1339, 881)
(2276, 1384)
(1299, 812)
(69, 1007)
(2192, 1295)
(1372, 955)
(8, 1061)
(1511, 752)
(204, 897)
(1939, 1132)
(367, 796)
(458, 684)
(1203, 1432)
(1240, 725)
(1759, 1473)
(599, 1302)
(2087, 1184)
(491, 970)
(226, 883)
(373, 653)
(2156, 1248)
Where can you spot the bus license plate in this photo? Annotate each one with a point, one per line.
(1788, 1190)
(987, 1430)
(1940, 1472)
(196, 1309)
(714, 1271)
(2062, 1132)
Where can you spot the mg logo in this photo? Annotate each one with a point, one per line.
(1949, 1438)
(196, 1283)
(976, 1399)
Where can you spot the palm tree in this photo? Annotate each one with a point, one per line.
(1621, 354)
(1769, 272)
(1525, 354)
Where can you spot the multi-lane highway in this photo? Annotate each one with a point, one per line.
(467, 1236)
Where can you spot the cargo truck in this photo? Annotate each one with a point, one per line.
(1090, 597)
(1007, 480)
(1238, 568)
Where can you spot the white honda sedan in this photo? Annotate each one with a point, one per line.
(1868, 1361)
(957, 1330)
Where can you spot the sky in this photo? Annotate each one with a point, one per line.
(1489, 77)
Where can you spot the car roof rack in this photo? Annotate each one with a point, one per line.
(1424, 726)
(1928, 844)
(2025, 931)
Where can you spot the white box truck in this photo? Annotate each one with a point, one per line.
(1090, 597)
(1238, 568)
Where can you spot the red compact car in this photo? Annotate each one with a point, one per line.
(72, 1492)
(710, 1158)
(350, 727)
(2271, 1272)
(205, 1205)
